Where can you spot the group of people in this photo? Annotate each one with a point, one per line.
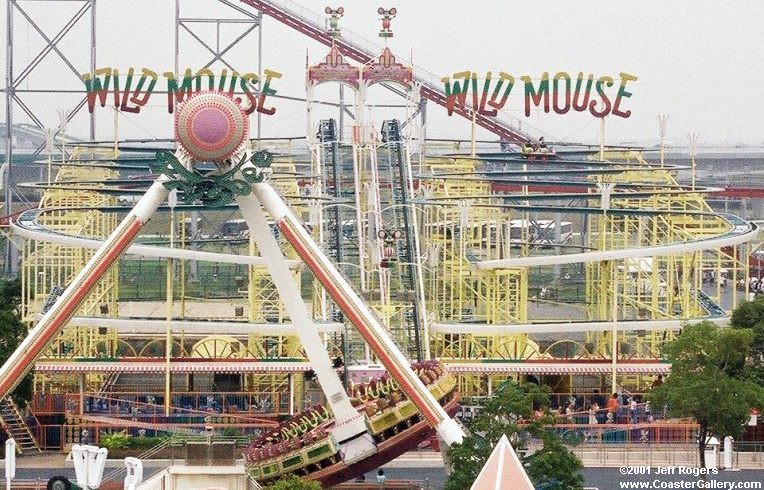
(547, 293)
(381, 478)
(755, 287)
(538, 147)
(466, 414)
(619, 408)
(719, 278)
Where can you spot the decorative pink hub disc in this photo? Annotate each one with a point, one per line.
(211, 126)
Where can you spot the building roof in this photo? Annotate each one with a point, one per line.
(503, 470)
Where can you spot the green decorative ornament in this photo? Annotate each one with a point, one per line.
(216, 187)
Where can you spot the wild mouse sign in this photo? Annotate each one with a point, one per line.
(133, 91)
(559, 93)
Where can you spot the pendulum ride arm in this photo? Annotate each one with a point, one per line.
(350, 426)
(358, 313)
(51, 323)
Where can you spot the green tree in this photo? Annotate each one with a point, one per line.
(13, 331)
(711, 380)
(511, 411)
(750, 314)
(554, 466)
(293, 482)
(10, 294)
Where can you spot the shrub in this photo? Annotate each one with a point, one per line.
(292, 482)
(115, 440)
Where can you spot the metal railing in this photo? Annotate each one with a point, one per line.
(206, 403)
(148, 454)
(628, 434)
(29, 484)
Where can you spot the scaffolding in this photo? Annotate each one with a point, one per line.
(49, 267)
(661, 287)
(455, 234)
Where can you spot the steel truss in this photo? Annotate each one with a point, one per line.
(15, 96)
(240, 16)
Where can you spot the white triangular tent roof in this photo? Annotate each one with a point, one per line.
(503, 470)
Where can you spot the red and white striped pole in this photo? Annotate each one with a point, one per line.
(51, 323)
(358, 313)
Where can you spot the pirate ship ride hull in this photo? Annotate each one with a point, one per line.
(395, 424)
(388, 450)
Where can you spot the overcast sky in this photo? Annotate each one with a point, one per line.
(700, 61)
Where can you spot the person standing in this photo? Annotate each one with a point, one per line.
(593, 409)
(612, 408)
(381, 478)
(633, 408)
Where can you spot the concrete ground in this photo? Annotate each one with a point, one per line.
(595, 478)
(425, 466)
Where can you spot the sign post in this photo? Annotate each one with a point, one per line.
(10, 462)
(134, 475)
(89, 463)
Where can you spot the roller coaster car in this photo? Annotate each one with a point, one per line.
(543, 153)
(304, 445)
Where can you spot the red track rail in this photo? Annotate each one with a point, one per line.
(361, 55)
(753, 192)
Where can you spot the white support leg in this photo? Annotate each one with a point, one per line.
(350, 425)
